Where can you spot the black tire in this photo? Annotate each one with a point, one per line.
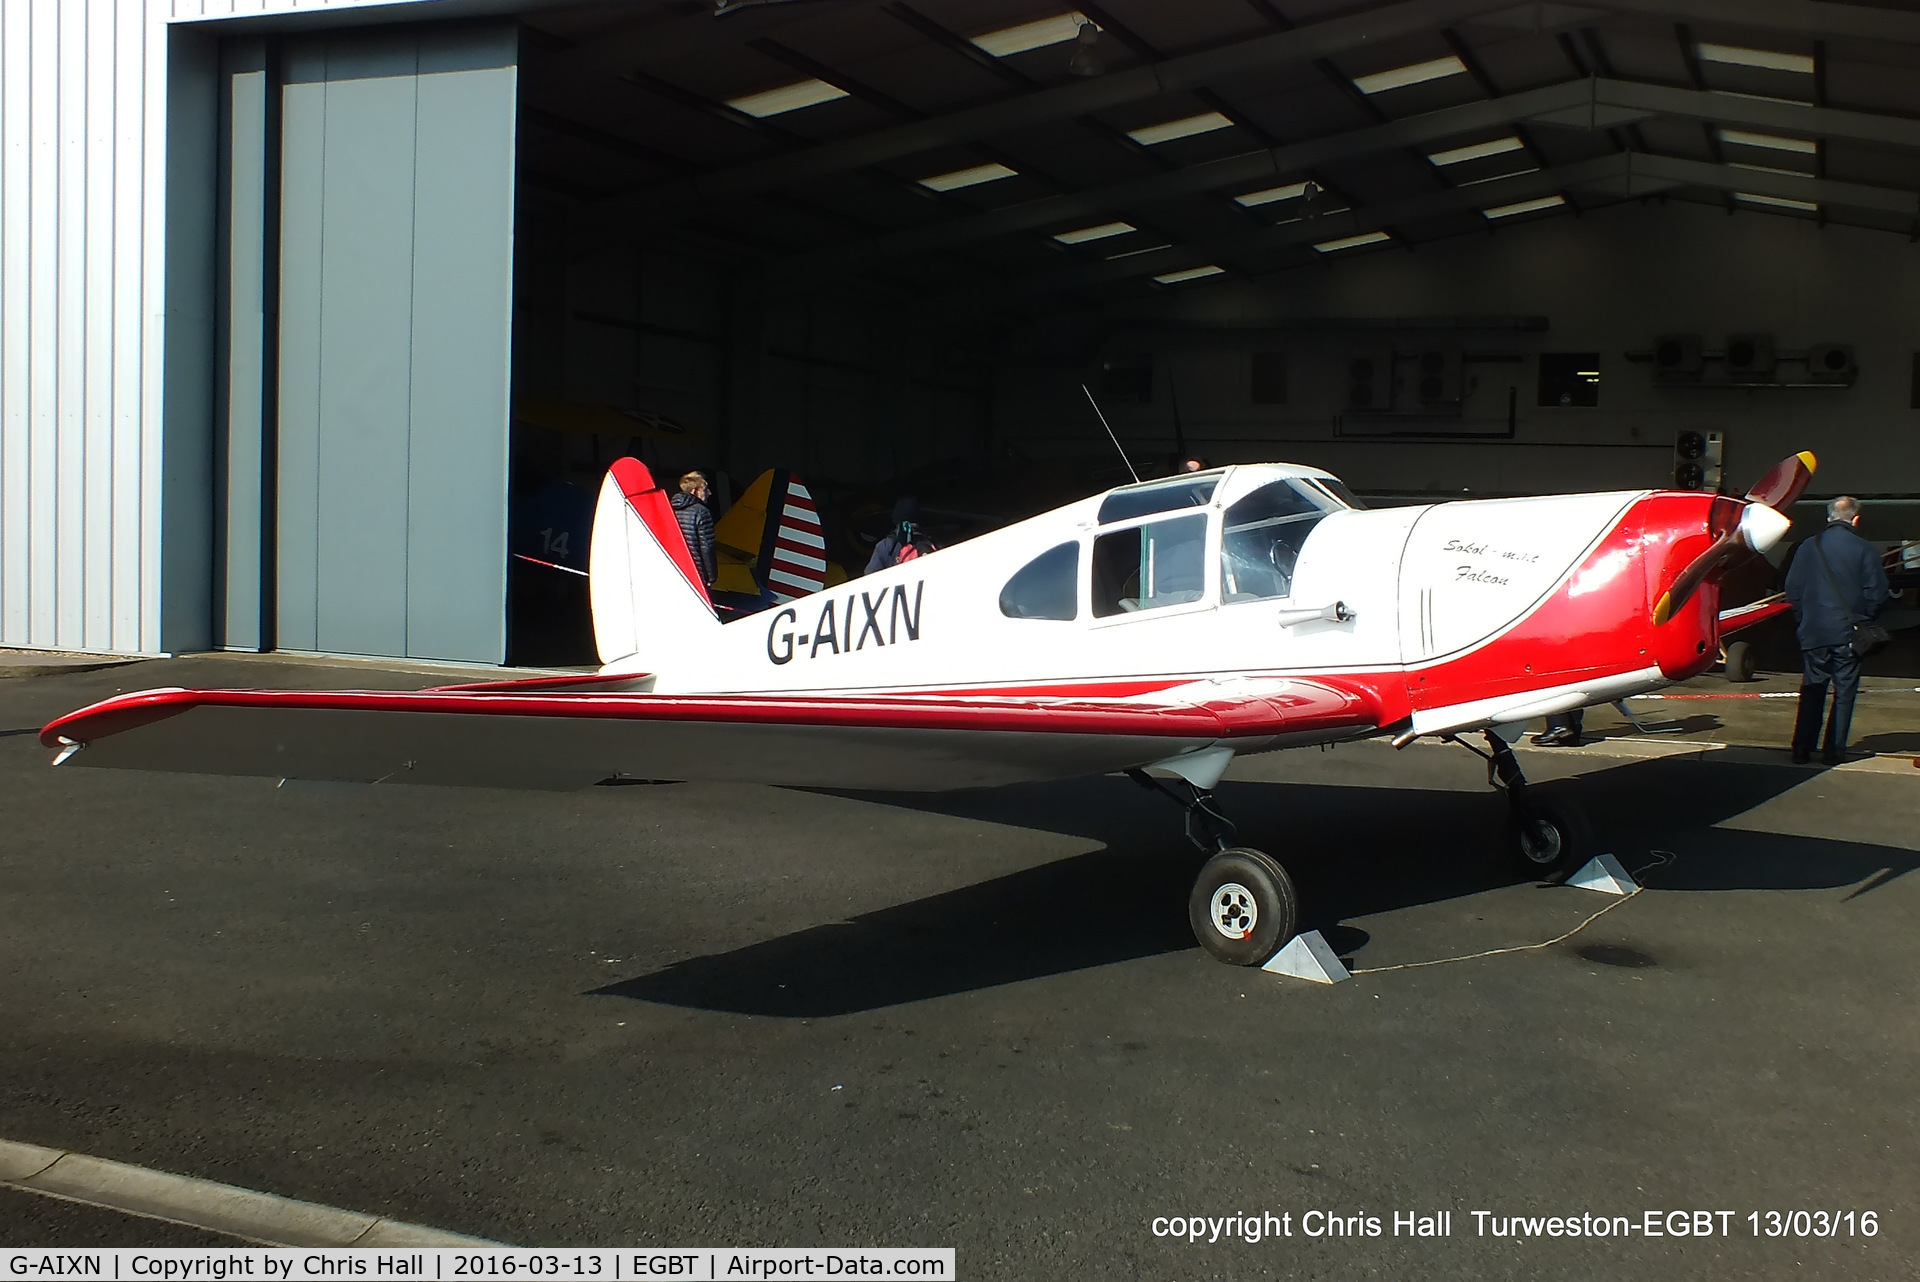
(1243, 907)
(1740, 661)
(1549, 837)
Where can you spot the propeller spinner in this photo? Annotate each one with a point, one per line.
(1761, 524)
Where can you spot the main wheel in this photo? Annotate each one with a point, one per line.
(1243, 907)
(1740, 661)
(1548, 836)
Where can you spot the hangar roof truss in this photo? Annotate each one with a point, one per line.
(991, 151)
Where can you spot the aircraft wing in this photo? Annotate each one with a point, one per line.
(571, 733)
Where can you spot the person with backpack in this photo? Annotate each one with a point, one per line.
(905, 541)
(1836, 586)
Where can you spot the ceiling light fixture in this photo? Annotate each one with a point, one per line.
(1524, 207)
(967, 177)
(1414, 74)
(1056, 30)
(1185, 127)
(1773, 142)
(1476, 151)
(1081, 235)
(1269, 195)
(1191, 273)
(774, 102)
(1740, 56)
(1778, 202)
(1352, 242)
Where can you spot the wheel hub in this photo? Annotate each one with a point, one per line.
(1540, 841)
(1234, 912)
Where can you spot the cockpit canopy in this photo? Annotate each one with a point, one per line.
(1147, 564)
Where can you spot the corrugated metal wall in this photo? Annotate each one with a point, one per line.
(83, 91)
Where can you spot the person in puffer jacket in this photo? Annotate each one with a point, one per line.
(696, 523)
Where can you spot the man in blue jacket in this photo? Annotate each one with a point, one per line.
(1834, 581)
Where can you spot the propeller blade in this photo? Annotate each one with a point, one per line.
(1783, 484)
(1724, 550)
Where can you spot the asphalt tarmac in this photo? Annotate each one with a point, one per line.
(686, 1014)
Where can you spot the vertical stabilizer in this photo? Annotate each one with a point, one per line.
(648, 601)
(794, 558)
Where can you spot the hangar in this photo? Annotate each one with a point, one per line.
(303, 304)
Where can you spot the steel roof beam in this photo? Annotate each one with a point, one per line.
(1584, 104)
(1571, 98)
(1209, 250)
(618, 217)
(1627, 175)
(1821, 18)
(1646, 172)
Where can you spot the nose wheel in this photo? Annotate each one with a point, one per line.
(1546, 836)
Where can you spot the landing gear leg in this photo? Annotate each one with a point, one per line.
(1545, 834)
(1243, 905)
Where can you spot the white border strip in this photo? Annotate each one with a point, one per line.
(264, 1218)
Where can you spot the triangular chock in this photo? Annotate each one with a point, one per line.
(1308, 957)
(1604, 874)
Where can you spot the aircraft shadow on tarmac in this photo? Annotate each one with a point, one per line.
(1353, 852)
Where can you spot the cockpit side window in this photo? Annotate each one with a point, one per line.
(1262, 537)
(1045, 587)
(1149, 566)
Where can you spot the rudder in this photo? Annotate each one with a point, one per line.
(640, 571)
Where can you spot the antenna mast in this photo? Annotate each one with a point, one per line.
(1110, 435)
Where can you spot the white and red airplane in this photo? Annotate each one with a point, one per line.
(1162, 629)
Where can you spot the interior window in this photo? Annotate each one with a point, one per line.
(1262, 538)
(1149, 566)
(1045, 587)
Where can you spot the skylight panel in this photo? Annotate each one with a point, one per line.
(1352, 242)
(1524, 207)
(1292, 191)
(1768, 169)
(1191, 273)
(1774, 142)
(1185, 127)
(775, 102)
(1129, 253)
(1477, 151)
(967, 177)
(1741, 56)
(1777, 202)
(1030, 35)
(1084, 234)
(1417, 73)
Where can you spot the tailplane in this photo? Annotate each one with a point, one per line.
(641, 575)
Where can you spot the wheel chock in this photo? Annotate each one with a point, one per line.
(1308, 957)
(1604, 874)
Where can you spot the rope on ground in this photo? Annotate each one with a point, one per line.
(1661, 860)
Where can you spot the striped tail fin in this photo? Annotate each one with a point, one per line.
(793, 557)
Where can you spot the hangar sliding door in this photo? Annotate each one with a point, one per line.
(396, 240)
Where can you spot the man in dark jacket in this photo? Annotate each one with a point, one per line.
(1834, 580)
(696, 523)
